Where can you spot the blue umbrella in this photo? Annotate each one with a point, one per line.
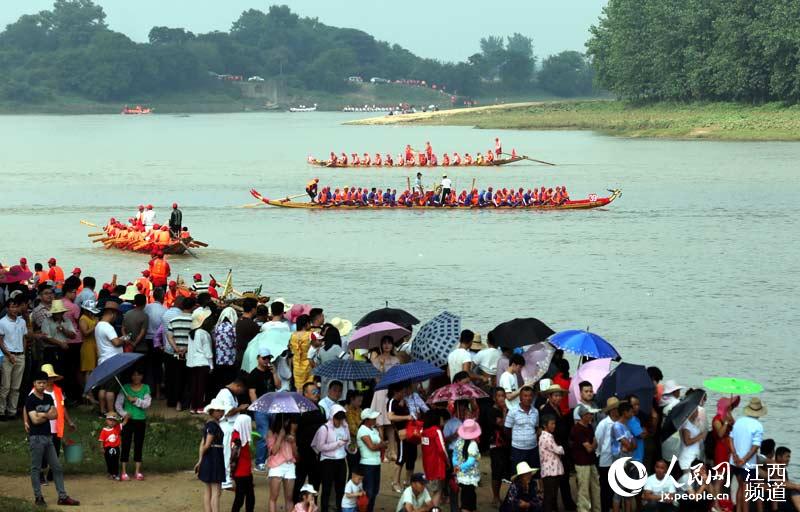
(624, 380)
(110, 368)
(346, 370)
(436, 339)
(414, 371)
(584, 343)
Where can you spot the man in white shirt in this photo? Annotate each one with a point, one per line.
(659, 490)
(108, 345)
(149, 217)
(508, 380)
(604, 455)
(446, 187)
(486, 360)
(13, 331)
(276, 320)
(460, 359)
(332, 398)
(415, 497)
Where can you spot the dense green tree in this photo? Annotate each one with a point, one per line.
(166, 35)
(566, 74)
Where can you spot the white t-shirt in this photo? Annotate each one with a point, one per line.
(487, 359)
(408, 496)
(13, 333)
(351, 488)
(446, 183)
(456, 360)
(659, 487)
(103, 334)
(508, 381)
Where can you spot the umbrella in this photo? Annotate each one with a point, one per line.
(387, 314)
(279, 402)
(520, 332)
(456, 391)
(346, 370)
(436, 339)
(110, 368)
(370, 335)
(276, 340)
(591, 371)
(537, 361)
(731, 386)
(413, 371)
(584, 343)
(628, 379)
(681, 411)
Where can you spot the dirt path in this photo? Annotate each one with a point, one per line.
(177, 492)
(410, 118)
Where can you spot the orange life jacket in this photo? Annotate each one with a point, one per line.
(44, 276)
(158, 270)
(169, 298)
(58, 275)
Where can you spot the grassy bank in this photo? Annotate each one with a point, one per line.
(722, 121)
(170, 445)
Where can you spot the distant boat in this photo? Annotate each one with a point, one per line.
(303, 108)
(138, 110)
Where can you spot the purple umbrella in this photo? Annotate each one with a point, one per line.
(592, 371)
(370, 335)
(282, 402)
(537, 361)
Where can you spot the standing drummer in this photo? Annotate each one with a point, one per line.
(311, 189)
(418, 183)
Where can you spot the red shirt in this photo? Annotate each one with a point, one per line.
(434, 458)
(110, 436)
(213, 292)
(244, 465)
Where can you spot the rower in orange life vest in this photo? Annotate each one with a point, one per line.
(366, 161)
(446, 160)
(564, 194)
(139, 219)
(389, 161)
(467, 159)
(456, 159)
(428, 150)
(489, 157)
(409, 157)
(55, 274)
(378, 161)
(498, 148)
(311, 189)
(343, 160)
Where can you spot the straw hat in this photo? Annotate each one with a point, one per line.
(477, 343)
(755, 409)
(215, 405)
(469, 430)
(58, 307)
(130, 292)
(554, 388)
(523, 469)
(612, 403)
(51, 372)
(343, 326)
(199, 316)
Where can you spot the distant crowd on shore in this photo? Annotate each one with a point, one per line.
(245, 363)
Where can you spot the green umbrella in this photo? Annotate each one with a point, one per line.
(729, 385)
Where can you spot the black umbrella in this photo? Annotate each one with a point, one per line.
(628, 379)
(396, 316)
(520, 332)
(680, 413)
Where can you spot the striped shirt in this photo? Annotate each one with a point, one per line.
(179, 328)
(200, 287)
(523, 427)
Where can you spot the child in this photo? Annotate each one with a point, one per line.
(241, 464)
(434, 454)
(210, 467)
(307, 500)
(109, 442)
(353, 490)
(466, 464)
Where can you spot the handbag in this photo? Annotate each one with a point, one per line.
(413, 431)
(362, 503)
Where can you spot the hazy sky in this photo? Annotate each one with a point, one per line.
(445, 29)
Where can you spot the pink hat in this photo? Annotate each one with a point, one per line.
(469, 430)
(296, 311)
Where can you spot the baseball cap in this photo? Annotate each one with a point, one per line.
(419, 477)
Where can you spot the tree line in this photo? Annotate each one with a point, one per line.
(721, 50)
(70, 50)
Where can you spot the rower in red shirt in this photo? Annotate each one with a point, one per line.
(366, 161)
(212, 289)
(564, 194)
(389, 162)
(423, 160)
(456, 159)
(409, 153)
(378, 161)
(489, 156)
(467, 159)
(446, 160)
(343, 160)
(428, 150)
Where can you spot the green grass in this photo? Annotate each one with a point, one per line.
(169, 446)
(722, 121)
(16, 505)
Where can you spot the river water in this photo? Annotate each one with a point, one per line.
(694, 269)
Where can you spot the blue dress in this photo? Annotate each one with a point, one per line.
(212, 467)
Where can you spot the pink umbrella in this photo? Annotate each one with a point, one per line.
(296, 311)
(456, 391)
(593, 371)
(370, 335)
(537, 361)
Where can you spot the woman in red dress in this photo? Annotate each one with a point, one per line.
(722, 424)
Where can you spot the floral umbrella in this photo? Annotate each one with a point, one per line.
(456, 391)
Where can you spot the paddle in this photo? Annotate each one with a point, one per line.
(284, 200)
(98, 233)
(187, 249)
(201, 244)
(526, 157)
(90, 224)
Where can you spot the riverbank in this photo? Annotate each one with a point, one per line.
(717, 121)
